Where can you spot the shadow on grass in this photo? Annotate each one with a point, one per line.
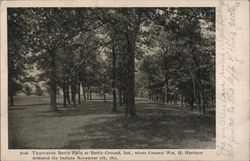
(92, 107)
(157, 127)
(154, 128)
(29, 105)
(10, 109)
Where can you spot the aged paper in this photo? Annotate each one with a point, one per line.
(232, 87)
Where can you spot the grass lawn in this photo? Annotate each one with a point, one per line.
(91, 126)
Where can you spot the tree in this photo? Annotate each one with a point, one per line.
(44, 37)
(27, 90)
(188, 61)
(17, 56)
(39, 91)
(48, 30)
(173, 48)
(132, 26)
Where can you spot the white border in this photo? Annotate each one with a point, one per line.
(241, 131)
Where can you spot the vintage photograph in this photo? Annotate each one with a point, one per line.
(111, 78)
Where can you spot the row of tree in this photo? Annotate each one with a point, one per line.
(171, 49)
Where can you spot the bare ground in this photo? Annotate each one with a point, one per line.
(91, 126)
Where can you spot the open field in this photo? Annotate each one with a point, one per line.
(92, 125)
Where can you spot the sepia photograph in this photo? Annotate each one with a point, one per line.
(111, 78)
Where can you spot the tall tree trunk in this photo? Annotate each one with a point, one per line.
(154, 96)
(194, 94)
(182, 99)
(73, 91)
(124, 95)
(11, 98)
(120, 85)
(125, 99)
(83, 91)
(52, 80)
(185, 102)
(202, 97)
(165, 59)
(64, 94)
(10, 83)
(90, 93)
(175, 99)
(125, 84)
(203, 104)
(114, 109)
(130, 100)
(166, 85)
(79, 93)
(114, 100)
(199, 102)
(124, 78)
(212, 101)
(192, 104)
(104, 97)
(120, 96)
(72, 94)
(68, 93)
(11, 91)
(149, 94)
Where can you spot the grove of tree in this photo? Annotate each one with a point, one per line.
(164, 54)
